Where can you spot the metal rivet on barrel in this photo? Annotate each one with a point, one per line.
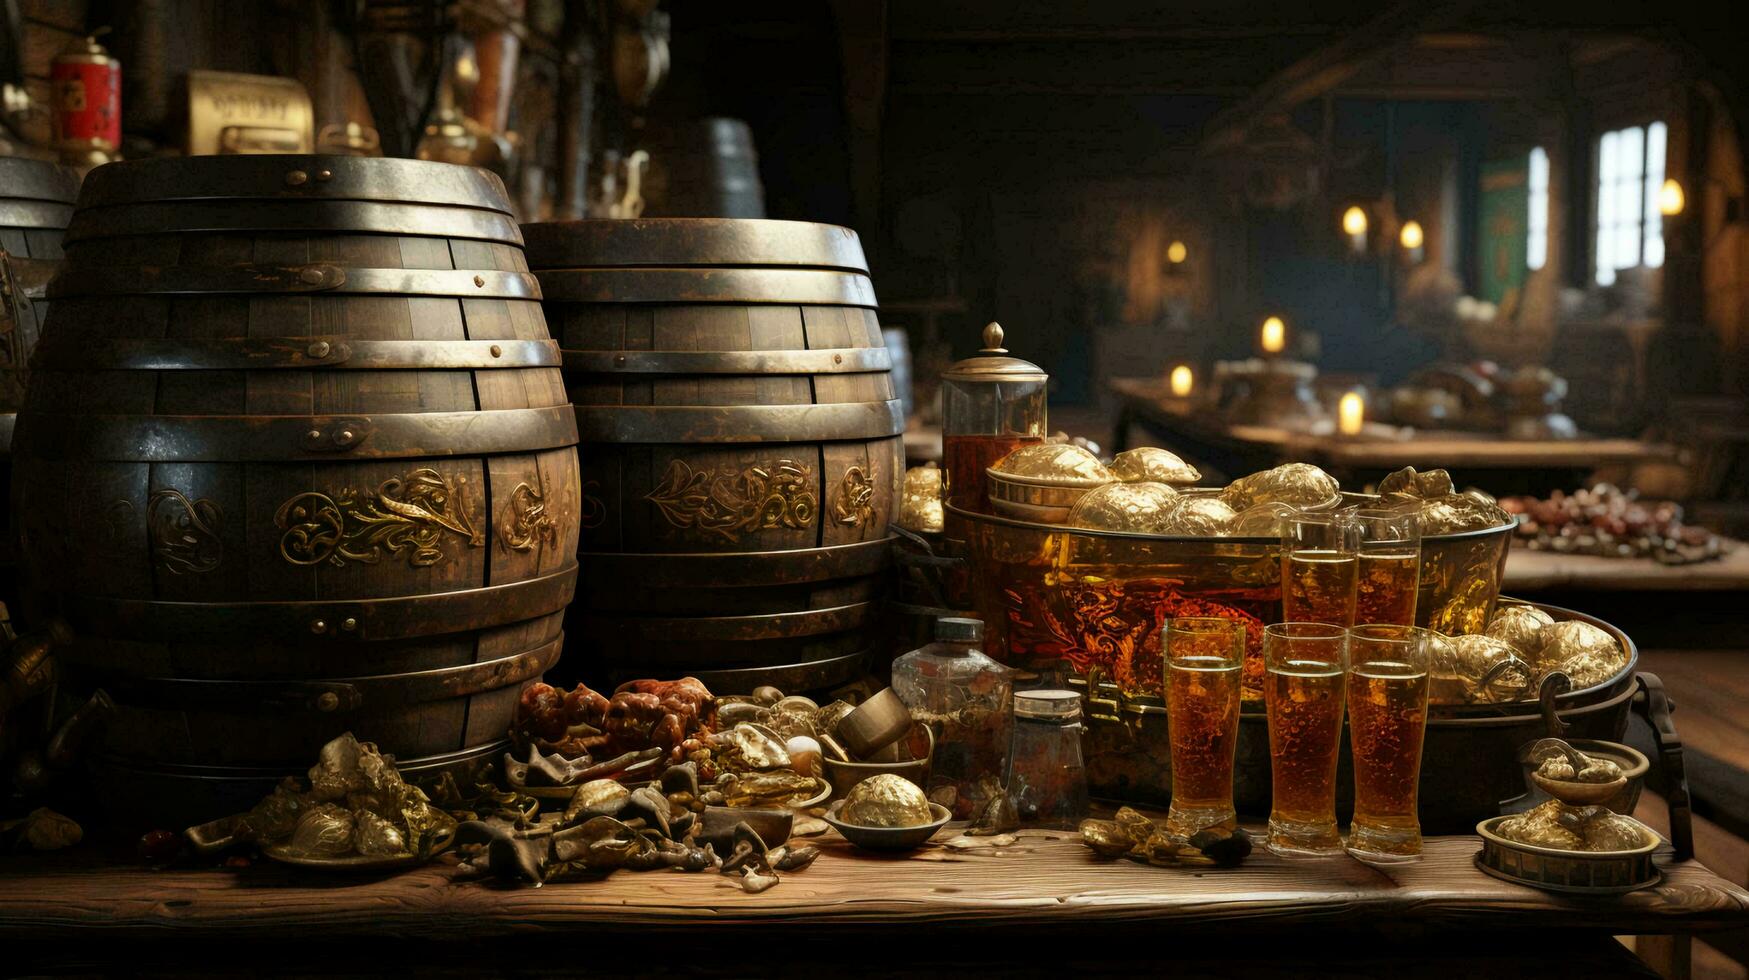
(619, 360)
(320, 349)
(345, 436)
(479, 280)
(318, 626)
(497, 351)
(328, 701)
(313, 434)
(297, 178)
(311, 275)
(324, 175)
(837, 358)
(349, 624)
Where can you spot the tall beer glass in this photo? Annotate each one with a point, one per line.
(1203, 659)
(1303, 692)
(1387, 719)
(1389, 573)
(1320, 556)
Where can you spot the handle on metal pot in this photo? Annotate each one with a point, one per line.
(926, 567)
(1656, 707)
(1555, 684)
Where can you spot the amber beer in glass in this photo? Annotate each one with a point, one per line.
(1303, 693)
(1203, 660)
(1320, 558)
(1389, 570)
(1387, 720)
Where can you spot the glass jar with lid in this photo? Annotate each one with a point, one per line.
(991, 404)
(1047, 779)
(964, 696)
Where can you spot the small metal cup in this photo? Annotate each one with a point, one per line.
(875, 724)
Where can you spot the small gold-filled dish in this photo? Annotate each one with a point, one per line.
(1572, 872)
(888, 838)
(1041, 482)
(285, 854)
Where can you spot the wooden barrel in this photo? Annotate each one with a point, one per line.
(703, 168)
(36, 202)
(296, 459)
(741, 450)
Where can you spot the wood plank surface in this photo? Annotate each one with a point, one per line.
(1046, 880)
(1528, 571)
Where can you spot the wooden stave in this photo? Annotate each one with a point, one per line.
(551, 468)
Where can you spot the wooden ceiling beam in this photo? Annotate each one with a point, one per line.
(1328, 67)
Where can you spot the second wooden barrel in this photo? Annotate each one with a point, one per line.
(740, 442)
(36, 202)
(703, 168)
(296, 459)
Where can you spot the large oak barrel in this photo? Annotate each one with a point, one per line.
(36, 202)
(296, 459)
(741, 446)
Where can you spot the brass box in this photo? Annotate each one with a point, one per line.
(234, 113)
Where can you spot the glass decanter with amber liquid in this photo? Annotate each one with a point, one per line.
(991, 404)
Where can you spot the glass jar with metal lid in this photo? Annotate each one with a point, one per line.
(1046, 777)
(991, 404)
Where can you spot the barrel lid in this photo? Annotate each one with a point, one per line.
(293, 177)
(37, 180)
(993, 363)
(692, 242)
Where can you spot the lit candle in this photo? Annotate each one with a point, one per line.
(1670, 198)
(1181, 381)
(1274, 336)
(1176, 253)
(1412, 236)
(1350, 414)
(1354, 224)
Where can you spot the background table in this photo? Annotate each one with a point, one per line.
(1504, 466)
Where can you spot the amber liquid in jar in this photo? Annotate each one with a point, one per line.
(964, 460)
(1202, 720)
(1386, 586)
(1318, 586)
(1387, 721)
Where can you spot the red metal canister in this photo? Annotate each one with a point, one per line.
(86, 82)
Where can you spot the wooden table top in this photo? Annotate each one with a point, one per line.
(1047, 879)
(1528, 571)
(1386, 447)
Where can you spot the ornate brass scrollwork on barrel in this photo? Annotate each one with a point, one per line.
(761, 496)
(185, 533)
(526, 521)
(853, 503)
(406, 517)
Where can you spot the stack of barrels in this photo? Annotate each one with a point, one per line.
(296, 459)
(740, 443)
